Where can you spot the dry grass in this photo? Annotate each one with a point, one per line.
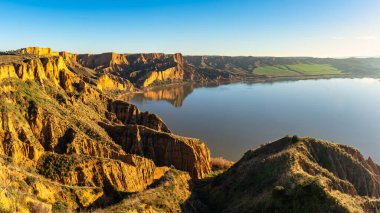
(220, 163)
(38, 208)
(6, 59)
(168, 194)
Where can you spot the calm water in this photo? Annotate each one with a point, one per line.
(234, 118)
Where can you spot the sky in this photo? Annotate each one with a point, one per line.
(319, 28)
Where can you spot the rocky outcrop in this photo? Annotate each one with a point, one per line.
(129, 114)
(289, 175)
(142, 70)
(173, 73)
(64, 143)
(80, 170)
(169, 195)
(111, 82)
(38, 51)
(17, 139)
(174, 94)
(103, 62)
(97, 70)
(295, 174)
(170, 69)
(113, 71)
(186, 154)
(24, 191)
(349, 165)
(54, 122)
(43, 70)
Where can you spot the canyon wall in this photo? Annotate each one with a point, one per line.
(57, 126)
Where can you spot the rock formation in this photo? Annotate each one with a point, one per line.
(297, 174)
(166, 196)
(65, 143)
(111, 82)
(174, 94)
(141, 69)
(57, 124)
(163, 148)
(289, 175)
(131, 174)
(38, 51)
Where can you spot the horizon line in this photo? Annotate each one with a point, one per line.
(199, 55)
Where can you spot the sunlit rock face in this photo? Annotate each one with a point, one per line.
(114, 71)
(56, 131)
(175, 94)
(142, 70)
(38, 51)
(163, 148)
(65, 142)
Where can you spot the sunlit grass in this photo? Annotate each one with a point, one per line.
(297, 70)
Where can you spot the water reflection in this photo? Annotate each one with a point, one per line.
(236, 117)
(173, 94)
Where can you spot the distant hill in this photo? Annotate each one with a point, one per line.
(131, 72)
(286, 66)
(126, 72)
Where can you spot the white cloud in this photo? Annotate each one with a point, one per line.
(366, 38)
(338, 38)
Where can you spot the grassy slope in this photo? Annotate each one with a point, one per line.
(278, 70)
(291, 175)
(168, 195)
(297, 70)
(363, 67)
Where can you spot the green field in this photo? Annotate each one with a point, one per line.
(297, 70)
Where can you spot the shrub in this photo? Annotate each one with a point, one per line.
(38, 208)
(295, 139)
(60, 206)
(30, 180)
(278, 191)
(220, 163)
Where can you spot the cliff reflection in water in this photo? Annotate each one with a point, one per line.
(174, 94)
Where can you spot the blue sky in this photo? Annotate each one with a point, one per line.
(322, 28)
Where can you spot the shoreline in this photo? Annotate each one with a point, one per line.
(256, 81)
(247, 80)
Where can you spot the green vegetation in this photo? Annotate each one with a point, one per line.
(284, 66)
(297, 70)
(309, 195)
(56, 166)
(278, 70)
(60, 206)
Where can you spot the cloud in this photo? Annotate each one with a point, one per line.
(366, 38)
(338, 38)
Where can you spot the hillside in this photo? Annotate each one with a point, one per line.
(110, 72)
(296, 175)
(296, 67)
(126, 72)
(66, 144)
(289, 175)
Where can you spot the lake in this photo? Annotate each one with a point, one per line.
(234, 118)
